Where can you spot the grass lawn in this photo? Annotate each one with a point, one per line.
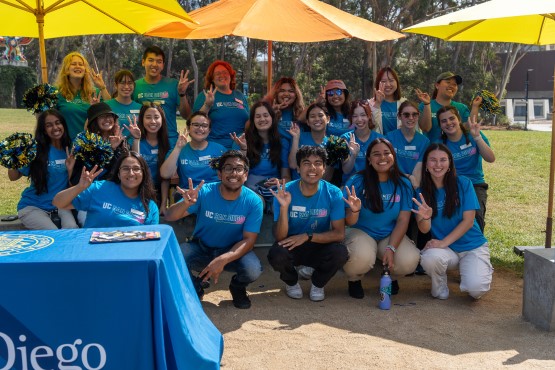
(517, 204)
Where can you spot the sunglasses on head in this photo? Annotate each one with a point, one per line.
(333, 92)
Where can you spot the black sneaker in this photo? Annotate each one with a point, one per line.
(419, 270)
(394, 287)
(199, 286)
(355, 289)
(240, 298)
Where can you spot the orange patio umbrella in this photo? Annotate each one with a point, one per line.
(277, 20)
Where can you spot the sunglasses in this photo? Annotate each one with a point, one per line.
(333, 92)
(409, 115)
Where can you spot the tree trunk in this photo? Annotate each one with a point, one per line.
(169, 58)
(300, 60)
(195, 67)
(511, 61)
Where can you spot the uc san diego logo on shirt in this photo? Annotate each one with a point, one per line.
(11, 244)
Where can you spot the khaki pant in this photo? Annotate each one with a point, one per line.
(363, 250)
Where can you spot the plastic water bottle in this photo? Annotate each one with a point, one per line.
(385, 290)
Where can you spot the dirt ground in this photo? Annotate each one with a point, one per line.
(419, 332)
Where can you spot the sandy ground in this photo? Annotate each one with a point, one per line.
(345, 333)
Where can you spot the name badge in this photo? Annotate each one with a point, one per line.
(204, 158)
(298, 208)
(239, 101)
(137, 212)
(465, 146)
(154, 151)
(135, 111)
(410, 147)
(60, 161)
(159, 102)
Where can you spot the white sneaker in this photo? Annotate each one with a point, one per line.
(316, 294)
(294, 291)
(305, 272)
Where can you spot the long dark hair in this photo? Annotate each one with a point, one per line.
(372, 193)
(161, 135)
(147, 192)
(455, 111)
(38, 169)
(298, 107)
(254, 140)
(344, 106)
(428, 188)
(391, 71)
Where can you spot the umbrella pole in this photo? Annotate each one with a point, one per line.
(269, 80)
(549, 222)
(40, 23)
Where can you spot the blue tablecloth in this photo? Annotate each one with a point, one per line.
(65, 302)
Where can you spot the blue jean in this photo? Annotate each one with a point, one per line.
(197, 256)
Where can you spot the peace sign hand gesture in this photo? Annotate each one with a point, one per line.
(295, 130)
(354, 147)
(182, 139)
(133, 128)
(424, 211)
(184, 82)
(95, 97)
(87, 177)
(239, 140)
(283, 197)
(209, 96)
(354, 203)
(423, 96)
(190, 196)
(474, 126)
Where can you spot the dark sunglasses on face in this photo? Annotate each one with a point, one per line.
(408, 115)
(333, 92)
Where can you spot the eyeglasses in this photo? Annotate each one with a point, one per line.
(200, 125)
(229, 169)
(333, 92)
(127, 169)
(408, 115)
(106, 116)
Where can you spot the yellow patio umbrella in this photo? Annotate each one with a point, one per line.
(44, 19)
(277, 20)
(524, 22)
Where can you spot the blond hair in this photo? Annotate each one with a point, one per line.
(64, 86)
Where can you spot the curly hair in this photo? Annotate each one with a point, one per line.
(298, 106)
(209, 77)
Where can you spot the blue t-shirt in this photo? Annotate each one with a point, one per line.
(434, 135)
(389, 116)
(338, 125)
(443, 226)
(195, 164)
(467, 158)
(108, 206)
(285, 123)
(315, 213)
(408, 153)
(360, 161)
(220, 222)
(56, 181)
(265, 167)
(150, 155)
(380, 225)
(165, 93)
(229, 113)
(125, 113)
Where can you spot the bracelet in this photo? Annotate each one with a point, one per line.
(476, 138)
(426, 104)
(355, 211)
(391, 248)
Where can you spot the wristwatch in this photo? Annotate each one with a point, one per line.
(182, 95)
(309, 236)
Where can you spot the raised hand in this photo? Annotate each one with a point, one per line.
(477, 101)
(295, 130)
(379, 95)
(87, 177)
(322, 95)
(240, 140)
(98, 80)
(133, 128)
(354, 147)
(209, 96)
(95, 97)
(355, 204)
(70, 160)
(474, 126)
(117, 138)
(424, 210)
(190, 195)
(423, 96)
(182, 139)
(283, 197)
(184, 82)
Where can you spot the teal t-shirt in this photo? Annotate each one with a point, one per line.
(360, 161)
(434, 135)
(229, 113)
(56, 181)
(125, 113)
(467, 158)
(164, 92)
(389, 116)
(195, 164)
(338, 125)
(74, 112)
(408, 153)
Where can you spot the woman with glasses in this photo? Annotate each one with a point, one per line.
(48, 175)
(127, 199)
(446, 208)
(336, 97)
(122, 102)
(409, 144)
(359, 140)
(192, 153)
(227, 108)
(78, 88)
